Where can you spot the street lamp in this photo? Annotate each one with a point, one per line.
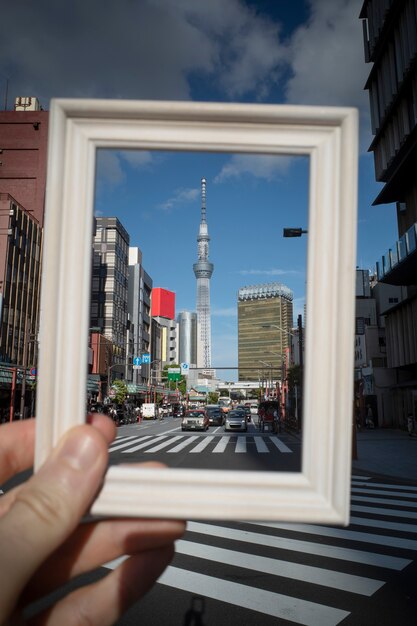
(293, 232)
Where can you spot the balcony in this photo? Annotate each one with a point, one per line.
(399, 265)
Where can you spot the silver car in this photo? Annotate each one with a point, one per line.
(236, 420)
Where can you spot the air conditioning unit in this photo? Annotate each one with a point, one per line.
(27, 103)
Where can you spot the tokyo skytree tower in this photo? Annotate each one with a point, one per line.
(203, 271)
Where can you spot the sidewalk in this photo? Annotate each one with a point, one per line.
(388, 452)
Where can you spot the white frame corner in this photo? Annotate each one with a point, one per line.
(321, 491)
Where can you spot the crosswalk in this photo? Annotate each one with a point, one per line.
(215, 444)
(302, 573)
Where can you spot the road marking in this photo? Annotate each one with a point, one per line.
(349, 535)
(306, 547)
(188, 441)
(411, 505)
(203, 444)
(361, 478)
(362, 521)
(145, 444)
(381, 492)
(126, 443)
(295, 571)
(279, 444)
(381, 511)
(274, 604)
(380, 485)
(164, 444)
(221, 446)
(261, 446)
(241, 444)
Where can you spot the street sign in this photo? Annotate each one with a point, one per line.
(174, 373)
(185, 369)
(112, 393)
(137, 361)
(137, 367)
(146, 358)
(32, 371)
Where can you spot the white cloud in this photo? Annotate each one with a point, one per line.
(111, 165)
(182, 196)
(266, 167)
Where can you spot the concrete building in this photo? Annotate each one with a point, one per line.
(163, 313)
(139, 309)
(20, 267)
(23, 153)
(187, 343)
(390, 41)
(265, 321)
(109, 288)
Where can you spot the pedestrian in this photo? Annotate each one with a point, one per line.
(369, 418)
(277, 422)
(410, 424)
(44, 545)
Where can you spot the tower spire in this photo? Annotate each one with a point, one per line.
(203, 270)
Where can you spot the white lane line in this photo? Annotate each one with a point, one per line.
(266, 602)
(385, 485)
(361, 478)
(145, 444)
(241, 444)
(164, 444)
(125, 443)
(221, 446)
(385, 512)
(368, 500)
(305, 573)
(280, 444)
(203, 444)
(376, 523)
(188, 441)
(349, 535)
(217, 429)
(382, 492)
(306, 547)
(261, 446)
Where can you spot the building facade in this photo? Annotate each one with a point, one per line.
(20, 269)
(390, 40)
(139, 310)
(265, 321)
(109, 287)
(187, 343)
(23, 152)
(203, 271)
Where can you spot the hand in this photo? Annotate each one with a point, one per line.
(43, 545)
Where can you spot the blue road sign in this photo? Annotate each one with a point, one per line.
(137, 360)
(146, 358)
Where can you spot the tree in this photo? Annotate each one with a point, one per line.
(212, 397)
(120, 388)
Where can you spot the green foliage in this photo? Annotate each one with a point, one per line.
(181, 384)
(120, 388)
(212, 397)
(294, 376)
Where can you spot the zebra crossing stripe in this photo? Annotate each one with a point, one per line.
(385, 512)
(386, 501)
(267, 602)
(139, 446)
(375, 523)
(382, 492)
(306, 547)
(164, 444)
(126, 442)
(385, 485)
(203, 444)
(280, 444)
(183, 444)
(261, 446)
(276, 567)
(241, 444)
(221, 446)
(349, 535)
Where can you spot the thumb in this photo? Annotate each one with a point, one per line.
(48, 508)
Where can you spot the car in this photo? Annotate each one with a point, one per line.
(236, 420)
(246, 410)
(215, 415)
(196, 419)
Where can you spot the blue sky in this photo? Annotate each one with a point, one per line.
(299, 52)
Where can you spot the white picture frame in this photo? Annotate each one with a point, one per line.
(329, 136)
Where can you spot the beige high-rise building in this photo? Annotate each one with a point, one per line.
(265, 319)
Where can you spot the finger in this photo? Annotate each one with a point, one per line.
(94, 544)
(104, 602)
(48, 507)
(17, 441)
(104, 424)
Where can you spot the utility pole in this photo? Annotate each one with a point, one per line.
(300, 354)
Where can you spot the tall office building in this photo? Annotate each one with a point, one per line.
(203, 270)
(139, 309)
(163, 312)
(265, 320)
(109, 286)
